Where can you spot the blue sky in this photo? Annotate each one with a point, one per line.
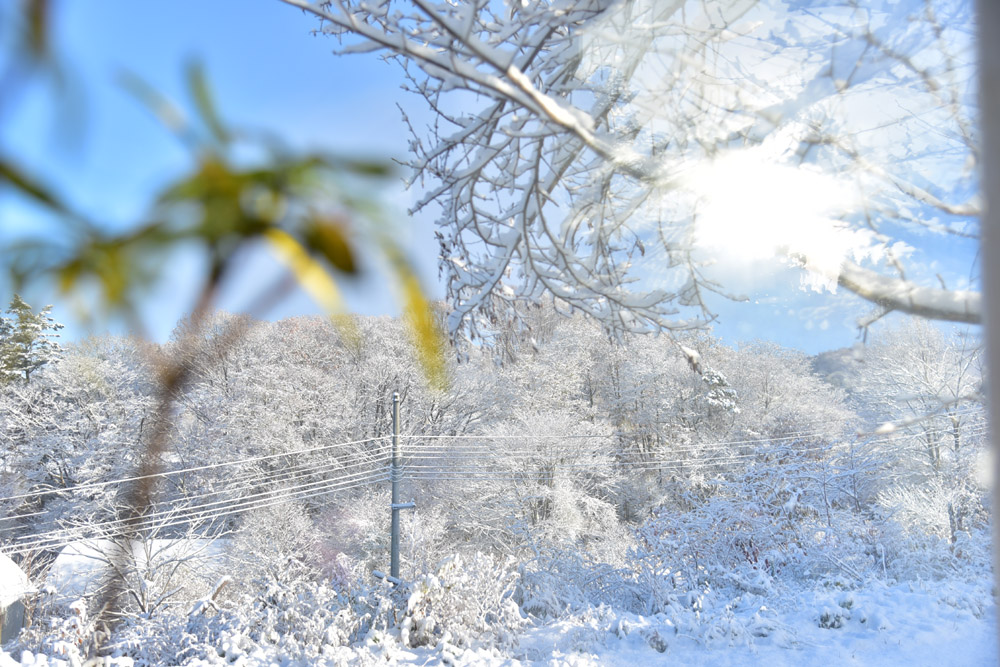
(105, 152)
(267, 72)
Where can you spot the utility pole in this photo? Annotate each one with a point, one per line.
(394, 476)
(395, 473)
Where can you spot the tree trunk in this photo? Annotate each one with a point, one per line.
(989, 114)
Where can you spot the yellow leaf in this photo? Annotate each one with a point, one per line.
(317, 283)
(68, 274)
(427, 336)
(327, 238)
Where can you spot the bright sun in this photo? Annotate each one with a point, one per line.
(753, 209)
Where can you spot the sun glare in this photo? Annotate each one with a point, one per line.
(752, 209)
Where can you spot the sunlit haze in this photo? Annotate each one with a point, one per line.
(755, 209)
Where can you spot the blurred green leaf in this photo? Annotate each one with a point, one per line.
(161, 107)
(201, 92)
(369, 168)
(301, 206)
(328, 239)
(15, 177)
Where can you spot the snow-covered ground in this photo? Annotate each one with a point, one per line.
(933, 625)
(80, 566)
(914, 624)
(930, 624)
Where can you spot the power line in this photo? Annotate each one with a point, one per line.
(178, 505)
(484, 450)
(250, 477)
(170, 473)
(202, 511)
(635, 464)
(418, 471)
(174, 514)
(121, 527)
(542, 436)
(255, 479)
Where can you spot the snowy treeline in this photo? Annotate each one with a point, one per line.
(558, 473)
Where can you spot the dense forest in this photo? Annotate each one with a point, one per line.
(557, 473)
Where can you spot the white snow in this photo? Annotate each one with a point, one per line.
(917, 624)
(932, 624)
(14, 583)
(79, 567)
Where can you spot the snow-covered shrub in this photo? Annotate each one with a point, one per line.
(914, 554)
(944, 506)
(463, 600)
(356, 526)
(723, 541)
(835, 616)
(580, 520)
(298, 620)
(303, 615)
(73, 636)
(69, 636)
(428, 535)
(558, 581)
(273, 543)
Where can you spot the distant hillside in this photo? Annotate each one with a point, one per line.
(841, 367)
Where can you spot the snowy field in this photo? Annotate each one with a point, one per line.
(899, 625)
(923, 631)
(932, 624)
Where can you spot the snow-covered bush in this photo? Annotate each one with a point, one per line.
(561, 580)
(724, 541)
(356, 526)
(461, 602)
(72, 636)
(464, 600)
(298, 620)
(276, 542)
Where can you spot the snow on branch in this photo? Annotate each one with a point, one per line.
(564, 136)
(898, 294)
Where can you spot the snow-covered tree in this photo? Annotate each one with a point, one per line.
(919, 378)
(781, 397)
(27, 340)
(85, 420)
(925, 386)
(605, 153)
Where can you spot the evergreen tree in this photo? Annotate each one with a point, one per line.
(27, 340)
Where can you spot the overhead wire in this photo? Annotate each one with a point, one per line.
(182, 502)
(486, 450)
(55, 545)
(420, 448)
(652, 464)
(203, 511)
(121, 527)
(171, 473)
(419, 471)
(249, 478)
(208, 509)
(175, 512)
(255, 479)
(585, 436)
